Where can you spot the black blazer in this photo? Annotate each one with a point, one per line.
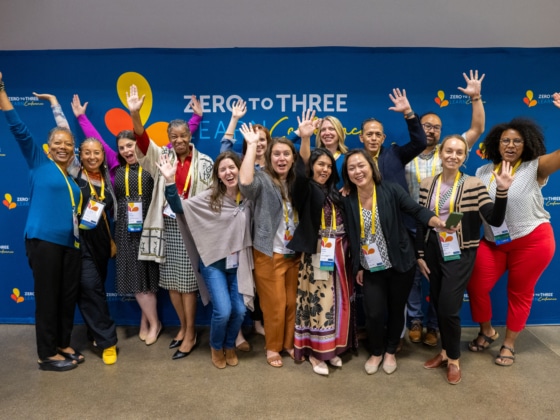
(392, 199)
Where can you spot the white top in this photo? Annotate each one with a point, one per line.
(525, 208)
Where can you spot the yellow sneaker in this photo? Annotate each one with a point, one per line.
(110, 355)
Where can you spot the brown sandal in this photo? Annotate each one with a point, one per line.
(507, 360)
(475, 346)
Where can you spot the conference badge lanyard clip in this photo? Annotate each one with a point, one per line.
(326, 257)
(501, 233)
(134, 208)
(448, 242)
(94, 208)
(370, 249)
(290, 229)
(75, 210)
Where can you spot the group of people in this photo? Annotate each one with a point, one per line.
(289, 234)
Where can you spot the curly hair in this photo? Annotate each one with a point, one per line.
(530, 132)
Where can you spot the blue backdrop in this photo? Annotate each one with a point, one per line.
(350, 83)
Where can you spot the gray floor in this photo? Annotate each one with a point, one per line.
(146, 383)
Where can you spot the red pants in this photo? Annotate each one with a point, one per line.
(525, 259)
(276, 280)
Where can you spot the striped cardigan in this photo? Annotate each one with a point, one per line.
(473, 201)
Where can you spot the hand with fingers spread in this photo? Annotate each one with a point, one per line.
(133, 101)
(504, 179)
(474, 84)
(77, 106)
(239, 109)
(167, 168)
(195, 106)
(400, 101)
(250, 134)
(307, 124)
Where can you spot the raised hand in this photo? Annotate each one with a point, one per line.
(239, 109)
(250, 134)
(505, 177)
(195, 106)
(167, 168)
(556, 99)
(47, 97)
(400, 101)
(133, 101)
(474, 84)
(77, 106)
(307, 124)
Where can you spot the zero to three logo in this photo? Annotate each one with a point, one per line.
(16, 296)
(8, 201)
(440, 99)
(529, 99)
(118, 119)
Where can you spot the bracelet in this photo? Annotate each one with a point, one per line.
(2, 86)
(409, 115)
(476, 99)
(230, 134)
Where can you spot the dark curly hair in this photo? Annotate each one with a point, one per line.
(531, 133)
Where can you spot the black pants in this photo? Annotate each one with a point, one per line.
(385, 294)
(448, 282)
(92, 302)
(56, 275)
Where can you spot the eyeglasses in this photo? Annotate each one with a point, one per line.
(516, 142)
(428, 127)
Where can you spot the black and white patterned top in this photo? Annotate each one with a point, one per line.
(378, 238)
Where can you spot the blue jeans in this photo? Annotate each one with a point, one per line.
(228, 309)
(414, 305)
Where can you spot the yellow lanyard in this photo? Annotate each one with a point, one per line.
(336, 155)
(238, 197)
(453, 193)
(188, 180)
(498, 168)
(78, 211)
(434, 165)
(333, 219)
(92, 190)
(127, 192)
(373, 207)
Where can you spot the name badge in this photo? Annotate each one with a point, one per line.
(326, 261)
(92, 214)
(373, 257)
(168, 212)
(501, 234)
(232, 260)
(449, 246)
(288, 235)
(134, 216)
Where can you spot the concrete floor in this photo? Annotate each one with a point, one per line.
(146, 384)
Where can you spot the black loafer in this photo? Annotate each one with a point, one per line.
(57, 365)
(175, 343)
(76, 356)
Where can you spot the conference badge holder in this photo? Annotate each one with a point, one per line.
(501, 234)
(373, 257)
(327, 254)
(92, 214)
(134, 216)
(449, 246)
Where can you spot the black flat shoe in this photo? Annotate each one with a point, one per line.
(76, 356)
(175, 343)
(57, 365)
(180, 354)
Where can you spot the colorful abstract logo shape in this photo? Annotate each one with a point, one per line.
(325, 243)
(529, 99)
(118, 119)
(132, 207)
(287, 235)
(481, 152)
(8, 202)
(367, 250)
(16, 297)
(440, 99)
(444, 237)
